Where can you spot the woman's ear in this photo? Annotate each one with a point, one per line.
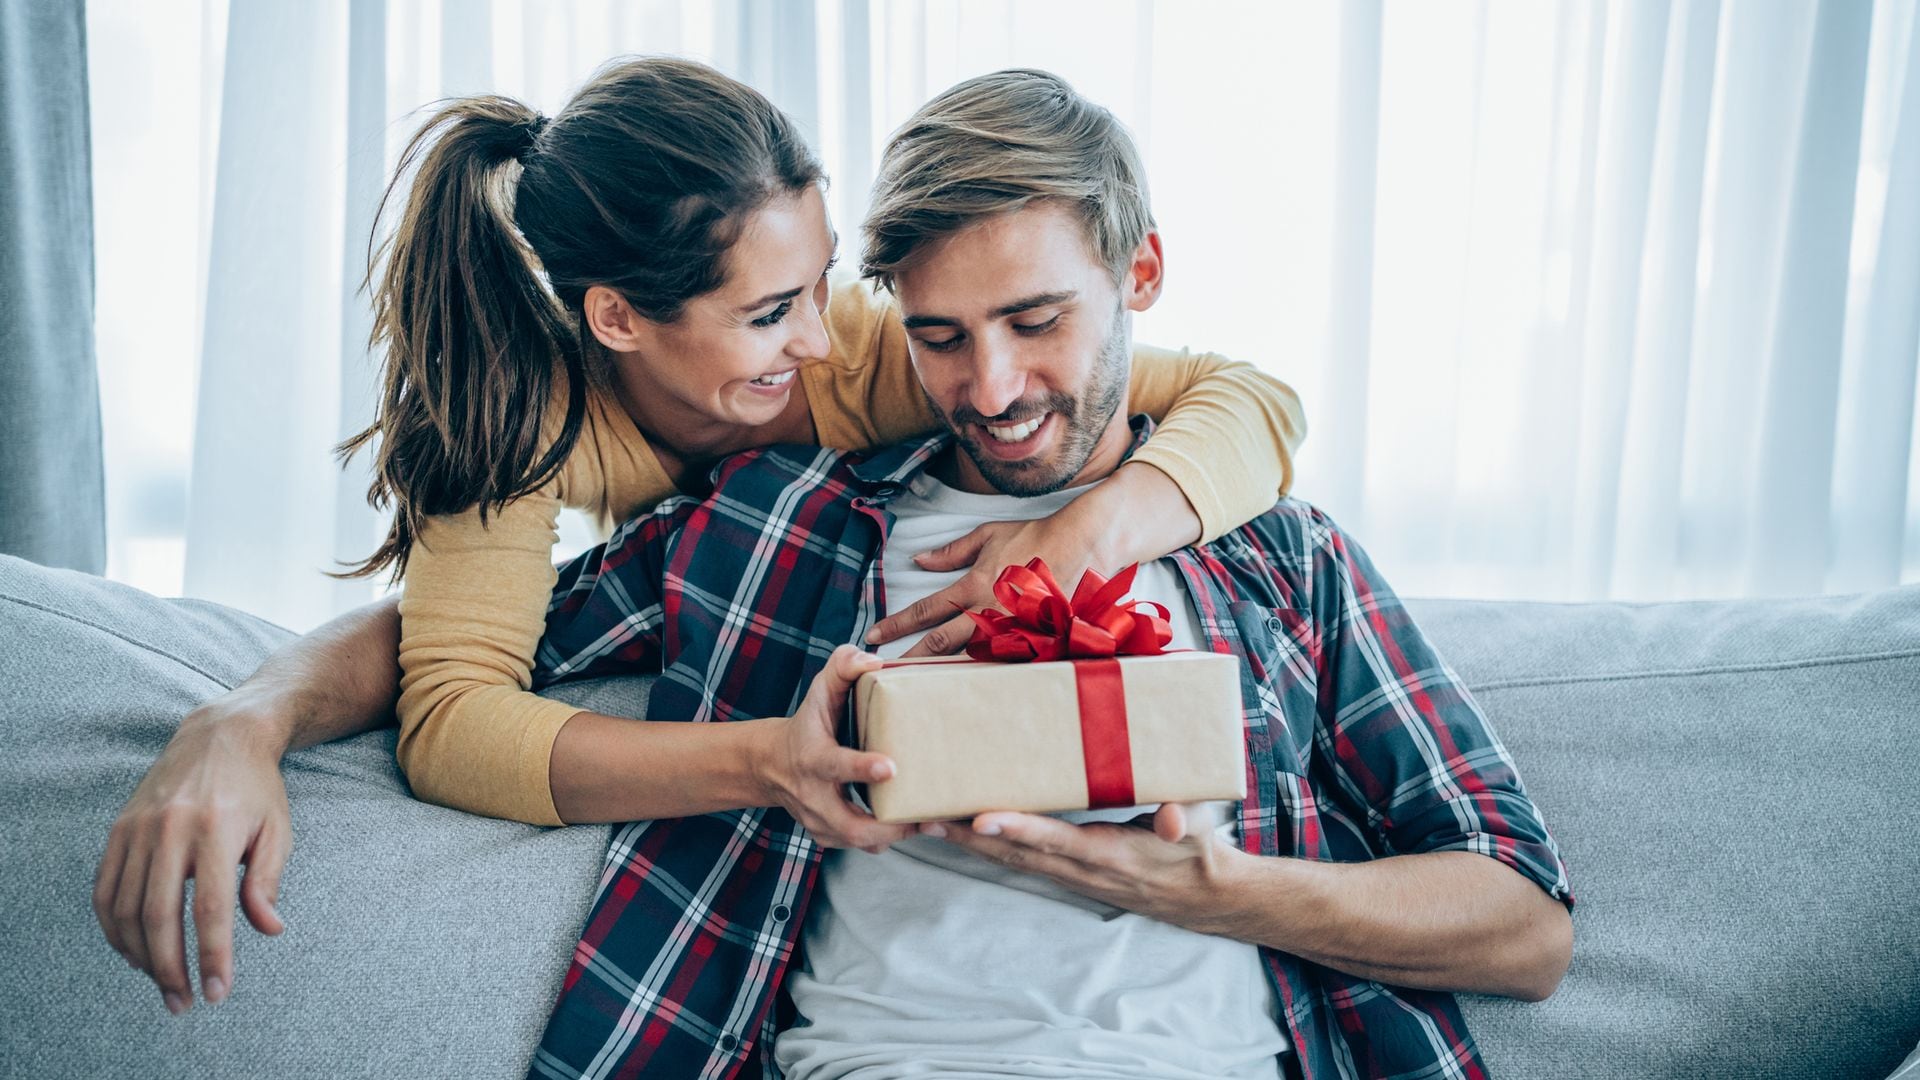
(613, 322)
(1146, 274)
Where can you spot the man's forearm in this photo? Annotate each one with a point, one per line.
(1447, 920)
(341, 679)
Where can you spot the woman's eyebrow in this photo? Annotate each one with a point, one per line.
(775, 298)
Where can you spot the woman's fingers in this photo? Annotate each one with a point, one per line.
(213, 886)
(266, 860)
(828, 694)
(958, 554)
(160, 921)
(944, 640)
(858, 767)
(106, 884)
(130, 898)
(928, 611)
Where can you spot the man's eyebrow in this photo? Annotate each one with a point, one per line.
(775, 298)
(1027, 303)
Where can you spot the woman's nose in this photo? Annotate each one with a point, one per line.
(809, 341)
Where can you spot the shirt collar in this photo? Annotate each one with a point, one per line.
(887, 471)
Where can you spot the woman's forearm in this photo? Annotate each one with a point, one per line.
(605, 768)
(1135, 516)
(339, 680)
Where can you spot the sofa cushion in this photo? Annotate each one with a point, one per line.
(1734, 788)
(419, 941)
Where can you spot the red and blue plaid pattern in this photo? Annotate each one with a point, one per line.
(1361, 744)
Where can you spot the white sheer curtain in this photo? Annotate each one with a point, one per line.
(1585, 300)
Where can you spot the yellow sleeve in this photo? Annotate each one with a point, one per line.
(472, 734)
(1226, 432)
(865, 393)
(1226, 436)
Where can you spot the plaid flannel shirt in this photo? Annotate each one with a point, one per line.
(1361, 743)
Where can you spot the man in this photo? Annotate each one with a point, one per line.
(1386, 852)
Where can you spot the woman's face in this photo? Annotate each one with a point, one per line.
(731, 359)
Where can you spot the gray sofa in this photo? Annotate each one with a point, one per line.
(1734, 786)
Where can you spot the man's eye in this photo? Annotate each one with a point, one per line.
(943, 345)
(773, 317)
(1033, 329)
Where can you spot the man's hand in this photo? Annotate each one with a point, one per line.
(802, 766)
(212, 802)
(1168, 872)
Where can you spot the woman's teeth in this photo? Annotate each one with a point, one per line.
(1016, 432)
(776, 380)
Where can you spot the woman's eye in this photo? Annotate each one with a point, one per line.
(773, 317)
(1031, 329)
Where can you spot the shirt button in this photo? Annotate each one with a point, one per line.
(1273, 625)
(728, 1042)
(781, 913)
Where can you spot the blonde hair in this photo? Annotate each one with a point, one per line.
(994, 144)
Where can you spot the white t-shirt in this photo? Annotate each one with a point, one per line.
(926, 961)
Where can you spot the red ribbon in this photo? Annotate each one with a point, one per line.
(1041, 623)
(1091, 629)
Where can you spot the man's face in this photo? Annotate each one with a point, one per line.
(1021, 342)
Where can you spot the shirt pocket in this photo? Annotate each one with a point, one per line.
(1282, 681)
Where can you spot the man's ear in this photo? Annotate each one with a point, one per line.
(1146, 274)
(613, 322)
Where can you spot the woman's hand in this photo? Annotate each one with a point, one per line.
(1135, 515)
(802, 765)
(212, 802)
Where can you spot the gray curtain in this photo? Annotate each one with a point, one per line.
(52, 487)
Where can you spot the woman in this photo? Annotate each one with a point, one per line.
(674, 310)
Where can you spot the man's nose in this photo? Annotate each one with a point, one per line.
(998, 380)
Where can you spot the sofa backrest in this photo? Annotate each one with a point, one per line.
(1733, 785)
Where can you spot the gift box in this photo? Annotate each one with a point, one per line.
(967, 736)
(1062, 704)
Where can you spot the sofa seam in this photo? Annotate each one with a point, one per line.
(111, 632)
(1680, 673)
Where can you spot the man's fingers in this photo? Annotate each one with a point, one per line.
(106, 883)
(944, 640)
(266, 860)
(160, 920)
(1026, 858)
(1048, 835)
(1170, 822)
(958, 554)
(213, 884)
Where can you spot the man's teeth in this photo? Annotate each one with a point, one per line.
(1017, 432)
(776, 380)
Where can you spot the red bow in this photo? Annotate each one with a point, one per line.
(1044, 625)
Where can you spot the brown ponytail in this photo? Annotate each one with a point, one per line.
(641, 183)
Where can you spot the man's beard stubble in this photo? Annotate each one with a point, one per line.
(1083, 422)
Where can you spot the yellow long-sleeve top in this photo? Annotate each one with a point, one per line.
(473, 737)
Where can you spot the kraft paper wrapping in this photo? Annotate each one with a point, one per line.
(968, 737)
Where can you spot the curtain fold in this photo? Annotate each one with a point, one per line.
(1587, 299)
(52, 480)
